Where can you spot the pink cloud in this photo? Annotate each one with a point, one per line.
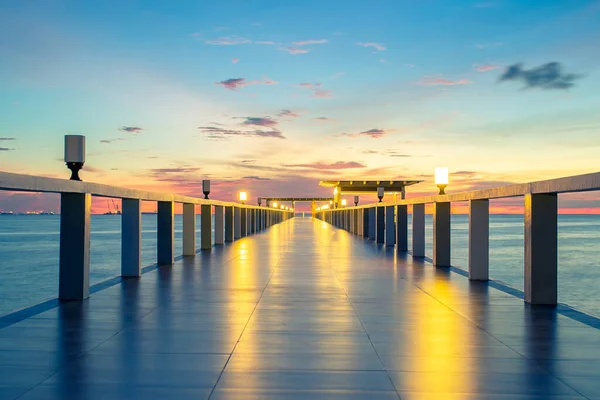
(235, 60)
(294, 50)
(377, 46)
(329, 166)
(324, 119)
(131, 129)
(317, 90)
(438, 80)
(288, 113)
(307, 42)
(374, 133)
(228, 41)
(485, 67)
(235, 83)
(259, 121)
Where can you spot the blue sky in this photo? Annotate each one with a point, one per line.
(272, 96)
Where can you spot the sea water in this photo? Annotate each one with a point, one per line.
(29, 252)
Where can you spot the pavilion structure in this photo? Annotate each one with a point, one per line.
(270, 201)
(393, 187)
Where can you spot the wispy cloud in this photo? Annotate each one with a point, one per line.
(488, 45)
(235, 60)
(377, 46)
(7, 138)
(256, 178)
(438, 80)
(337, 75)
(328, 166)
(235, 83)
(374, 133)
(228, 41)
(107, 141)
(288, 114)
(547, 76)
(317, 90)
(131, 129)
(389, 153)
(216, 133)
(485, 67)
(324, 119)
(267, 42)
(294, 50)
(259, 121)
(313, 41)
(5, 149)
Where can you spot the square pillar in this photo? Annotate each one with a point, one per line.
(189, 229)
(219, 225)
(165, 233)
(390, 231)
(441, 234)
(206, 226)
(479, 240)
(244, 231)
(541, 254)
(229, 224)
(131, 238)
(401, 228)
(253, 221)
(74, 253)
(380, 224)
(418, 230)
(372, 223)
(237, 222)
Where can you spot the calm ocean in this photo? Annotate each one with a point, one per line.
(29, 254)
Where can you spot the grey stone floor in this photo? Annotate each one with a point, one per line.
(301, 311)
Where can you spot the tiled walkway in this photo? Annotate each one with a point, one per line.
(301, 311)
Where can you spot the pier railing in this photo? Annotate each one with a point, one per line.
(232, 221)
(387, 223)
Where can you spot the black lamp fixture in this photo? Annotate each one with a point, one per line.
(259, 201)
(75, 154)
(380, 192)
(206, 188)
(356, 199)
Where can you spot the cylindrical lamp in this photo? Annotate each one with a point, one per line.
(441, 178)
(356, 199)
(206, 188)
(75, 154)
(243, 197)
(380, 193)
(344, 202)
(259, 200)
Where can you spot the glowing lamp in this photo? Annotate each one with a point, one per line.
(243, 197)
(274, 204)
(282, 207)
(380, 193)
(206, 188)
(75, 154)
(441, 178)
(344, 202)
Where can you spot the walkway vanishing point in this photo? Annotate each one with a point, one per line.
(302, 310)
(297, 308)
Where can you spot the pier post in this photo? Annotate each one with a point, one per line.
(229, 224)
(366, 225)
(479, 240)
(206, 226)
(541, 254)
(373, 223)
(380, 224)
(74, 253)
(219, 225)
(165, 233)
(441, 234)
(244, 225)
(131, 238)
(253, 221)
(390, 229)
(401, 228)
(189, 229)
(418, 230)
(237, 222)
(352, 214)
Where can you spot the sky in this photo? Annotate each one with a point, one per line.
(273, 96)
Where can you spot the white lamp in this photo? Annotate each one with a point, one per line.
(75, 154)
(243, 197)
(344, 202)
(441, 178)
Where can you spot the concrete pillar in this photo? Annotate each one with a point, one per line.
(219, 225)
(380, 224)
(165, 233)
(131, 238)
(189, 229)
(206, 226)
(244, 230)
(418, 230)
(479, 240)
(237, 219)
(441, 234)
(390, 229)
(541, 254)
(253, 220)
(372, 223)
(366, 225)
(74, 252)
(401, 228)
(229, 224)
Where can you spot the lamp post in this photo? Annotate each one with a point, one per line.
(75, 154)
(206, 188)
(243, 197)
(356, 199)
(344, 202)
(441, 178)
(380, 193)
(274, 204)
(259, 201)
